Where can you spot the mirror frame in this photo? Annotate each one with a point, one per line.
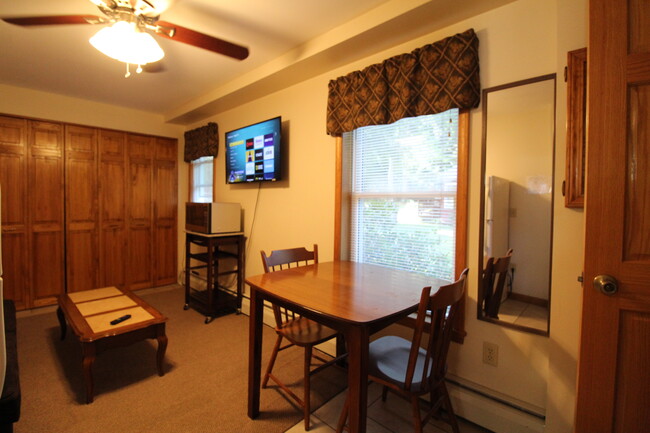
(481, 264)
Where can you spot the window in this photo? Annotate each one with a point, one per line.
(202, 179)
(402, 195)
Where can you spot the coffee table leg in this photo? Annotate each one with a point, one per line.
(61, 316)
(162, 347)
(88, 352)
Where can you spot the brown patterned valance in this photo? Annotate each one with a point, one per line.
(203, 141)
(428, 80)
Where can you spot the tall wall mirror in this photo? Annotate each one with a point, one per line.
(516, 227)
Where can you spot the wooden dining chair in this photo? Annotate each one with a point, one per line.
(411, 371)
(493, 281)
(297, 330)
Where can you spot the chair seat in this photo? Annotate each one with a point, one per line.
(388, 360)
(302, 331)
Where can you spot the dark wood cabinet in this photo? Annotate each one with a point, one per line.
(85, 207)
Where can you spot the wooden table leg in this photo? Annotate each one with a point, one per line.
(341, 350)
(162, 347)
(358, 339)
(255, 352)
(88, 353)
(62, 323)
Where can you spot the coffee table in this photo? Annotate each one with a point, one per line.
(90, 313)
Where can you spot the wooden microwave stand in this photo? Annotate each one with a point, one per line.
(214, 301)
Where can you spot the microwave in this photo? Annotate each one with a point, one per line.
(213, 217)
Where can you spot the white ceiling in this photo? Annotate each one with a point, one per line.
(287, 40)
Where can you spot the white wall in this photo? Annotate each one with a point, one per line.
(517, 41)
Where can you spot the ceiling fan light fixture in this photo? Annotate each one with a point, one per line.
(123, 41)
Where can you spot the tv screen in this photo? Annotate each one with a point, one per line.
(253, 152)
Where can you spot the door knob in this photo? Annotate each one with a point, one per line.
(606, 284)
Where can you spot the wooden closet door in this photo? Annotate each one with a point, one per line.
(140, 212)
(165, 211)
(15, 224)
(46, 201)
(112, 208)
(81, 208)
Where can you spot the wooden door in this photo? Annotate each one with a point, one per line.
(140, 212)
(165, 251)
(46, 202)
(82, 256)
(14, 221)
(112, 208)
(614, 366)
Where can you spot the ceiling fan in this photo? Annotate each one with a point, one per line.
(127, 38)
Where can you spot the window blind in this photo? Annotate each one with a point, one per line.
(403, 193)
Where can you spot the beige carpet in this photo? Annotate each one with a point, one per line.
(204, 388)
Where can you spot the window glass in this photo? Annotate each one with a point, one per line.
(202, 179)
(403, 185)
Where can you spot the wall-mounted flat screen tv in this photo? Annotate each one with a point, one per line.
(253, 152)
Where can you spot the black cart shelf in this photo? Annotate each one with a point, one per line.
(214, 301)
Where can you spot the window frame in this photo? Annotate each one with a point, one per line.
(342, 212)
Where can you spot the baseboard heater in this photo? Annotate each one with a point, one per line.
(497, 399)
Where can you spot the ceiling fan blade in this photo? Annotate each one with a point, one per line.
(52, 20)
(191, 37)
(154, 67)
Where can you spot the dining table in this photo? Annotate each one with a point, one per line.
(356, 299)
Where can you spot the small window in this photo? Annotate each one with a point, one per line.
(202, 179)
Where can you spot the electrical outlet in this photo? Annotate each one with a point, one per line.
(490, 354)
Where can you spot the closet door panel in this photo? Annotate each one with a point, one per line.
(140, 263)
(15, 268)
(166, 209)
(140, 212)
(81, 208)
(13, 182)
(46, 203)
(112, 204)
(47, 266)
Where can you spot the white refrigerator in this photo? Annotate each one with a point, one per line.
(497, 218)
(3, 345)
